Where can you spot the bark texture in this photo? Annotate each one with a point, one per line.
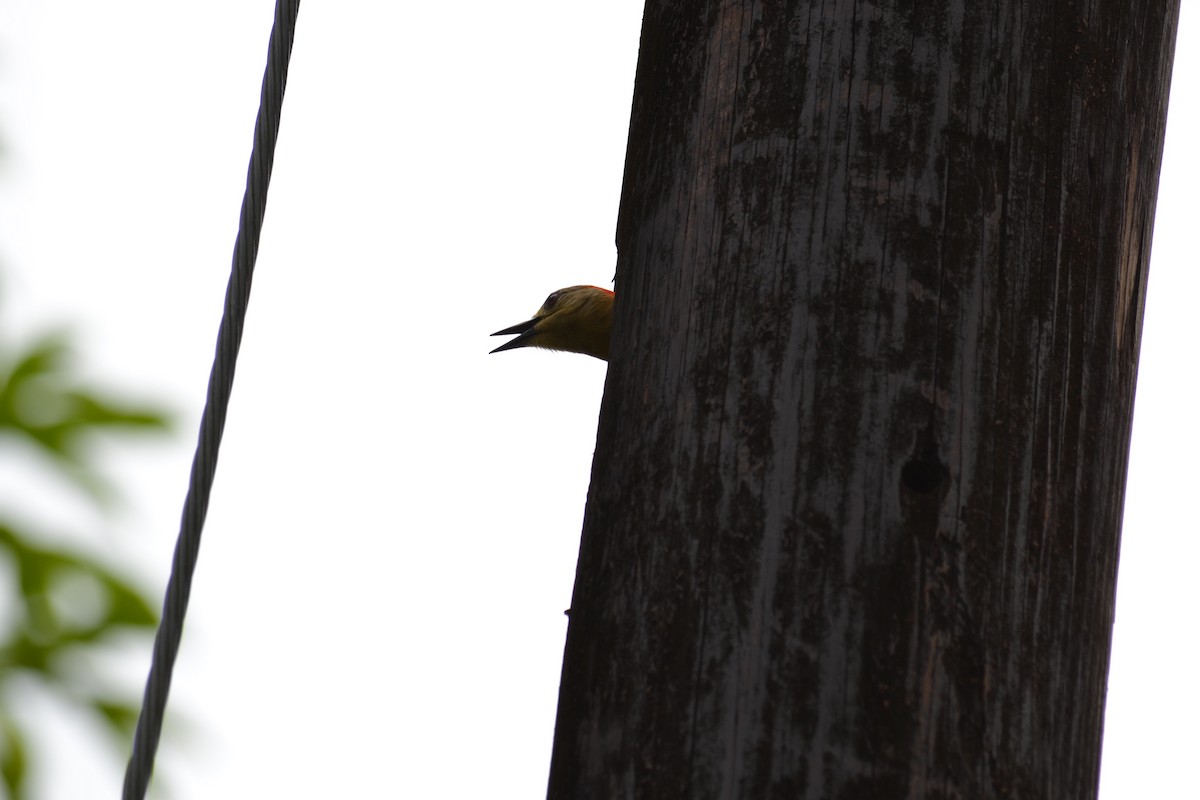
(855, 507)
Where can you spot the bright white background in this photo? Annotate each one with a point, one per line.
(392, 537)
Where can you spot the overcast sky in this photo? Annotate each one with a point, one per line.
(393, 531)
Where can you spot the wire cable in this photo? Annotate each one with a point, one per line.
(212, 422)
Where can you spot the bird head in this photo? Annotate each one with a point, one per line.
(577, 319)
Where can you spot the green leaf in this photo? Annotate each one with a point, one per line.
(46, 622)
(62, 603)
(41, 401)
(13, 759)
(121, 717)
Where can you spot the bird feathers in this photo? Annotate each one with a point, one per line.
(577, 319)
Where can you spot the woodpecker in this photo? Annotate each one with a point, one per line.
(577, 319)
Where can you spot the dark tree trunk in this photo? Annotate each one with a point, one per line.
(856, 501)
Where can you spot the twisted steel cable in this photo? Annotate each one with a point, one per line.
(212, 422)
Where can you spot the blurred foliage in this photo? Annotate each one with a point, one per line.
(62, 602)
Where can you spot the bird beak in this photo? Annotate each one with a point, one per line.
(526, 331)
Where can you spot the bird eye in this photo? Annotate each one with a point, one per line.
(551, 300)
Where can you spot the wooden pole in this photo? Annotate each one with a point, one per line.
(856, 500)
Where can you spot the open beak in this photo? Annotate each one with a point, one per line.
(526, 331)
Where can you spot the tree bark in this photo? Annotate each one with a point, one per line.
(856, 500)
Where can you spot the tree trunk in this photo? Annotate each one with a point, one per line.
(856, 500)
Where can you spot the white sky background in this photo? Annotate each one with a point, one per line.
(392, 538)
